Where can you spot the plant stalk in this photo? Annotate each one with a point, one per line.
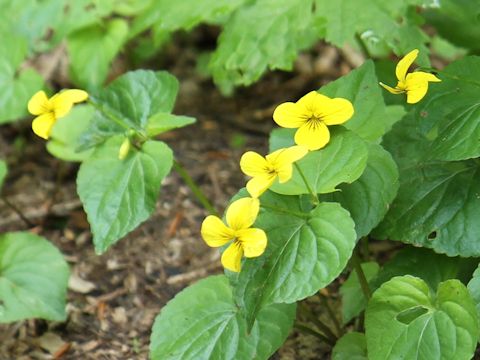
(308, 330)
(362, 279)
(305, 311)
(309, 188)
(330, 312)
(201, 197)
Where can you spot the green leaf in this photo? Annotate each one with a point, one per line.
(17, 85)
(263, 35)
(405, 321)
(353, 300)
(361, 87)
(118, 195)
(132, 99)
(3, 172)
(351, 346)
(92, 50)
(368, 198)
(64, 138)
(343, 160)
(457, 21)
(451, 112)
(424, 263)
(374, 21)
(474, 288)
(202, 322)
(437, 207)
(162, 122)
(167, 16)
(33, 278)
(307, 250)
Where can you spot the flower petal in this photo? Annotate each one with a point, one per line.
(404, 64)
(336, 111)
(313, 137)
(42, 125)
(232, 257)
(290, 115)
(253, 164)
(62, 102)
(215, 232)
(254, 241)
(38, 103)
(420, 76)
(259, 184)
(283, 159)
(242, 213)
(392, 90)
(417, 85)
(417, 92)
(312, 102)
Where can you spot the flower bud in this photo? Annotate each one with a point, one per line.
(124, 149)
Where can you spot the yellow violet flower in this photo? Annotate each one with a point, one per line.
(415, 84)
(265, 170)
(49, 110)
(311, 115)
(240, 216)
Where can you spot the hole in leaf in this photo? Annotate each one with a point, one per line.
(409, 315)
(432, 235)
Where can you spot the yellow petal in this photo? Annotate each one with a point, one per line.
(63, 102)
(416, 93)
(42, 125)
(312, 102)
(336, 111)
(215, 232)
(392, 90)
(253, 164)
(417, 85)
(38, 103)
(404, 64)
(254, 241)
(232, 257)
(242, 213)
(313, 137)
(283, 159)
(259, 184)
(420, 76)
(290, 115)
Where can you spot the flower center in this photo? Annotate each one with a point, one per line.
(270, 169)
(314, 122)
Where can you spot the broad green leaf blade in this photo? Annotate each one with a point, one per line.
(457, 21)
(368, 198)
(118, 195)
(437, 207)
(3, 172)
(162, 122)
(374, 21)
(33, 278)
(474, 288)
(263, 35)
(351, 346)
(424, 263)
(167, 16)
(405, 321)
(343, 160)
(17, 85)
(306, 251)
(203, 322)
(361, 87)
(133, 98)
(65, 135)
(353, 300)
(92, 50)
(450, 114)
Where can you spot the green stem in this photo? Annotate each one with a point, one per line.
(308, 330)
(194, 187)
(362, 279)
(111, 116)
(309, 188)
(330, 312)
(305, 311)
(285, 211)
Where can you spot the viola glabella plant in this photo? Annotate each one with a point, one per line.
(338, 187)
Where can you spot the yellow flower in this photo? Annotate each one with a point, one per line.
(251, 242)
(415, 84)
(49, 110)
(265, 170)
(311, 115)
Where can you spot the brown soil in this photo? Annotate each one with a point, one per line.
(114, 298)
